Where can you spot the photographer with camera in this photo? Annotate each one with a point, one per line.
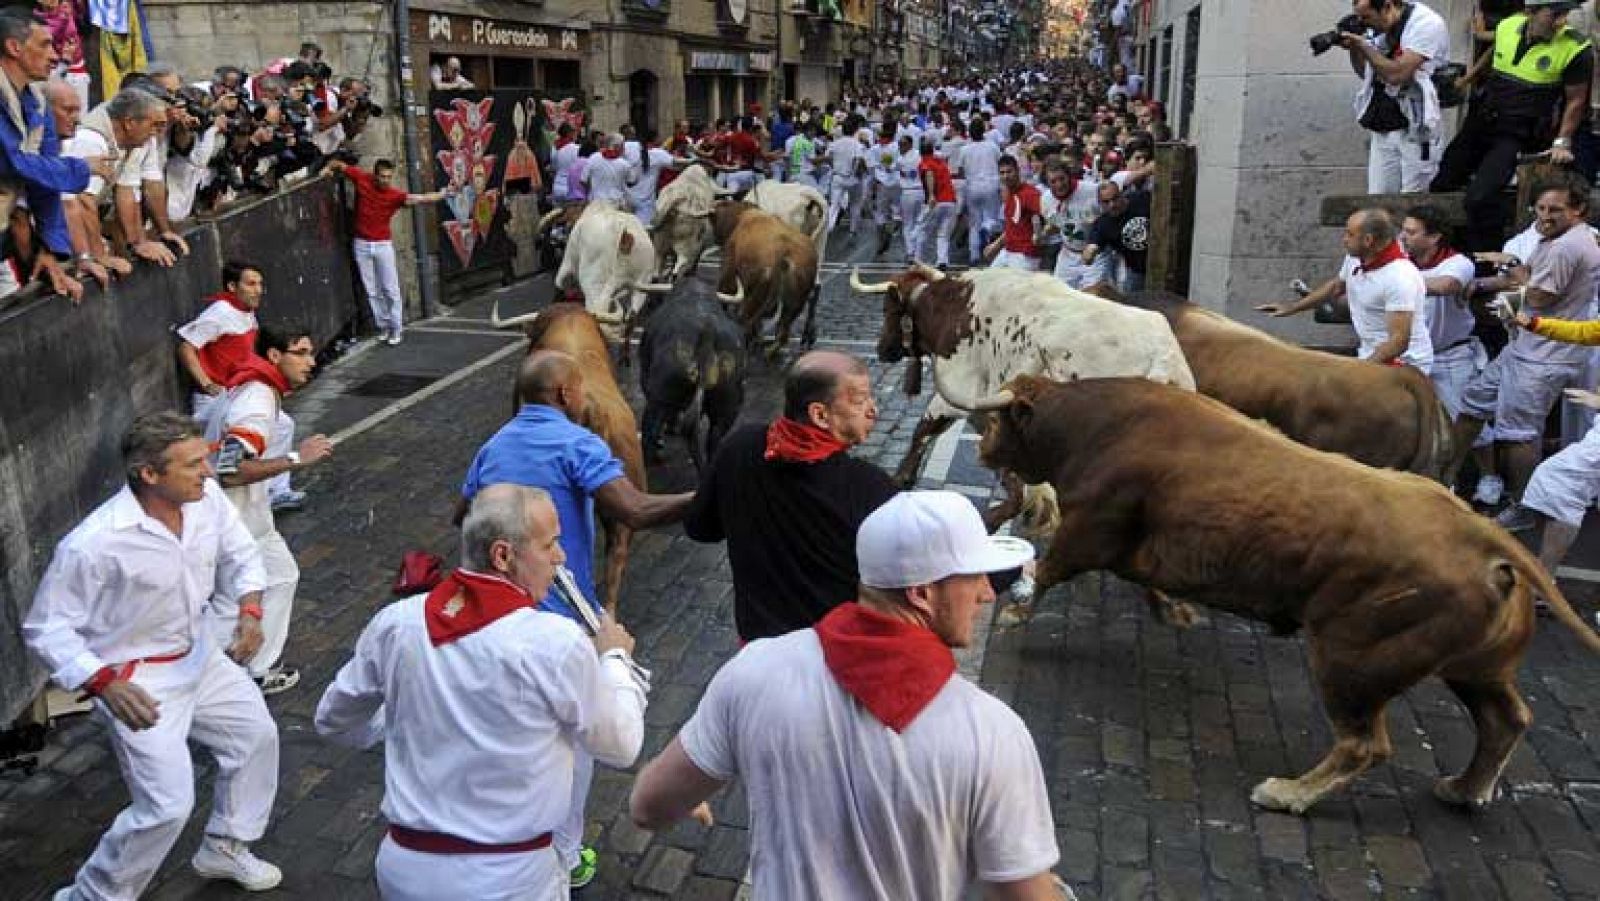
(341, 117)
(128, 124)
(1397, 103)
(1538, 66)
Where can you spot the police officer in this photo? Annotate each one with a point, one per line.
(1539, 65)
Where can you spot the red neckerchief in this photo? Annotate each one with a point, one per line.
(1442, 253)
(467, 601)
(231, 299)
(1385, 257)
(255, 368)
(799, 442)
(895, 669)
(562, 142)
(611, 153)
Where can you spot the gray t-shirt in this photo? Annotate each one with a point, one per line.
(1568, 265)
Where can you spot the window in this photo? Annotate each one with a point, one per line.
(560, 77)
(511, 72)
(1164, 68)
(1191, 65)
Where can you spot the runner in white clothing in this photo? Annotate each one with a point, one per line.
(482, 700)
(652, 162)
(608, 174)
(848, 159)
(980, 166)
(120, 615)
(907, 167)
(873, 769)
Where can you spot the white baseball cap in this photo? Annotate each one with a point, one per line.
(920, 537)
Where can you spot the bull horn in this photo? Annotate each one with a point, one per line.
(497, 322)
(735, 299)
(997, 401)
(653, 287)
(860, 287)
(928, 271)
(547, 220)
(608, 318)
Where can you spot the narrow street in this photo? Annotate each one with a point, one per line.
(1151, 738)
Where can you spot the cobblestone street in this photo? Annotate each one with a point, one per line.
(1151, 738)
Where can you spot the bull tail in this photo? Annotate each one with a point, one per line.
(1527, 568)
(1433, 429)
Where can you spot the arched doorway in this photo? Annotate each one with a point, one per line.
(642, 100)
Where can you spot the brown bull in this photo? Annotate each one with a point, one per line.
(768, 267)
(572, 330)
(1384, 416)
(1391, 576)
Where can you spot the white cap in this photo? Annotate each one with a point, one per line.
(920, 537)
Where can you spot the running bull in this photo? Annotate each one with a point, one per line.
(681, 227)
(609, 257)
(691, 365)
(768, 267)
(569, 328)
(987, 326)
(1384, 416)
(1178, 493)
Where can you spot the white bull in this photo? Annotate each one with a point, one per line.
(988, 326)
(609, 258)
(799, 205)
(682, 224)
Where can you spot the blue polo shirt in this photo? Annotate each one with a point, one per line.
(541, 447)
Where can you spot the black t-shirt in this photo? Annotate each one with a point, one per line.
(1128, 232)
(790, 528)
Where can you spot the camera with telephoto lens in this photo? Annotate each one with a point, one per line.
(364, 107)
(1322, 43)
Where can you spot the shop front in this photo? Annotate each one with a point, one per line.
(724, 84)
(492, 93)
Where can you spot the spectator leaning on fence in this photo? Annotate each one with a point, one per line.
(129, 123)
(88, 247)
(31, 165)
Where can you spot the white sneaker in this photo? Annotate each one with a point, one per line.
(1489, 490)
(226, 858)
(65, 894)
(279, 679)
(394, 337)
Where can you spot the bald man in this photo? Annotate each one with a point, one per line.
(788, 497)
(544, 447)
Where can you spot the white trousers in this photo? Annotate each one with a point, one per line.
(568, 837)
(206, 697)
(938, 220)
(1566, 483)
(1396, 166)
(279, 443)
(1075, 273)
(277, 605)
(1008, 260)
(983, 215)
(845, 197)
(884, 200)
(407, 875)
(381, 280)
(740, 181)
(911, 204)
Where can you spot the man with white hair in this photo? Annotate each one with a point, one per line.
(867, 759)
(609, 174)
(482, 700)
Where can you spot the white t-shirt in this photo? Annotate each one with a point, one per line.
(881, 163)
(608, 178)
(1450, 320)
(905, 166)
(980, 164)
(1394, 288)
(1073, 216)
(1427, 35)
(561, 161)
(841, 806)
(842, 155)
(645, 188)
(248, 412)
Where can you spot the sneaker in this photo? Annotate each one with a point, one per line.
(279, 679)
(394, 338)
(289, 500)
(1489, 490)
(583, 873)
(64, 894)
(1517, 518)
(226, 858)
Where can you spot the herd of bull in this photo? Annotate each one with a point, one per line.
(1190, 454)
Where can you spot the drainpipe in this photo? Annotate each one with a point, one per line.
(427, 266)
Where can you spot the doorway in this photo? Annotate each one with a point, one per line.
(642, 101)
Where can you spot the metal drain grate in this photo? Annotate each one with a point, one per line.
(393, 385)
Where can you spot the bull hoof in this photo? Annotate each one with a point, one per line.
(1452, 790)
(1015, 614)
(1281, 794)
(1180, 615)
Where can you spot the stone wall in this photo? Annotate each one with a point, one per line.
(78, 374)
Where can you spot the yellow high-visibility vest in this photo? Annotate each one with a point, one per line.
(1543, 64)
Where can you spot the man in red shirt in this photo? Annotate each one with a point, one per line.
(1017, 246)
(377, 199)
(743, 151)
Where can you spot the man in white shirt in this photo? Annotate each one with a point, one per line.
(120, 615)
(241, 425)
(562, 157)
(482, 700)
(652, 162)
(873, 769)
(1457, 356)
(1070, 206)
(609, 174)
(881, 161)
(847, 156)
(1386, 294)
(130, 122)
(1396, 70)
(980, 166)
